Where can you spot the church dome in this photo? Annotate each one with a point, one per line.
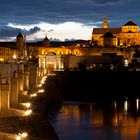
(130, 23)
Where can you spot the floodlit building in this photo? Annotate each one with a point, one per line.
(127, 35)
(105, 43)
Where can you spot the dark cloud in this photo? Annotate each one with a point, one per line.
(34, 30)
(57, 11)
(6, 32)
(105, 2)
(88, 12)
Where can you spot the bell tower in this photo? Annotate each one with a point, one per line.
(46, 42)
(106, 23)
(20, 44)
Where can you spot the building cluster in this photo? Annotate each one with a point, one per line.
(127, 35)
(107, 45)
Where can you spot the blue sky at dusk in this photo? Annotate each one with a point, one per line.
(62, 19)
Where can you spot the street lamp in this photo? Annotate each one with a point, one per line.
(14, 56)
(28, 112)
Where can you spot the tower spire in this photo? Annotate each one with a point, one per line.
(130, 18)
(106, 23)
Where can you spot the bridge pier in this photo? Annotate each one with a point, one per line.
(5, 97)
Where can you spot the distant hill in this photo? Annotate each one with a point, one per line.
(40, 43)
(68, 43)
(59, 43)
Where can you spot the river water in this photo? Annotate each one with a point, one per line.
(94, 121)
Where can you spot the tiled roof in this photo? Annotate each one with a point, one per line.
(130, 23)
(104, 30)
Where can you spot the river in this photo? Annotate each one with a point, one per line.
(95, 121)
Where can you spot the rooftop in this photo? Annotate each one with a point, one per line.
(130, 23)
(108, 35)
(104, 30)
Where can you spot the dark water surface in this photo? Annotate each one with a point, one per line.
(92, 121)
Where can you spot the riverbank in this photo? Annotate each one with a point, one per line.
(37, 128)
(37, 125)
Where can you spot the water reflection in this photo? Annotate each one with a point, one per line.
(125, 106)
(137, 104)
(94, 122)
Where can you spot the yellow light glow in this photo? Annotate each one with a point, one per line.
(1, 59)
(14, 56)
(33, 95)
(121, 44)
(24, 135)
(42, 52)
(126, 105)
(39, 85)
(28, 112)
(43, 80)
(41, 90)
(115, 105)
(26, 105)
(21, 135)
(18, 138)
(126, 63)
(137, 104)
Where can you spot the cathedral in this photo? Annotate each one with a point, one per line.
(106, 46)
(127, 35)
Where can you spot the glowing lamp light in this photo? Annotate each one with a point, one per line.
(43, 79)
(137, 104)
(39, 85)
(33, 95)
(41, 90)
(126, 63)
(1, 59)
(121, 44)
(27, 105)
(14, 56)
(18, 137)
(28, 112)
(21, 135)
(24, 135)
(126, 105)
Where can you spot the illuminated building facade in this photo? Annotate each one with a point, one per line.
(127, 35)
(104, 40)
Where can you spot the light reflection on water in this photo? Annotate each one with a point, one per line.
(95, 122)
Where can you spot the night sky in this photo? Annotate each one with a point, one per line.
(62, 19)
